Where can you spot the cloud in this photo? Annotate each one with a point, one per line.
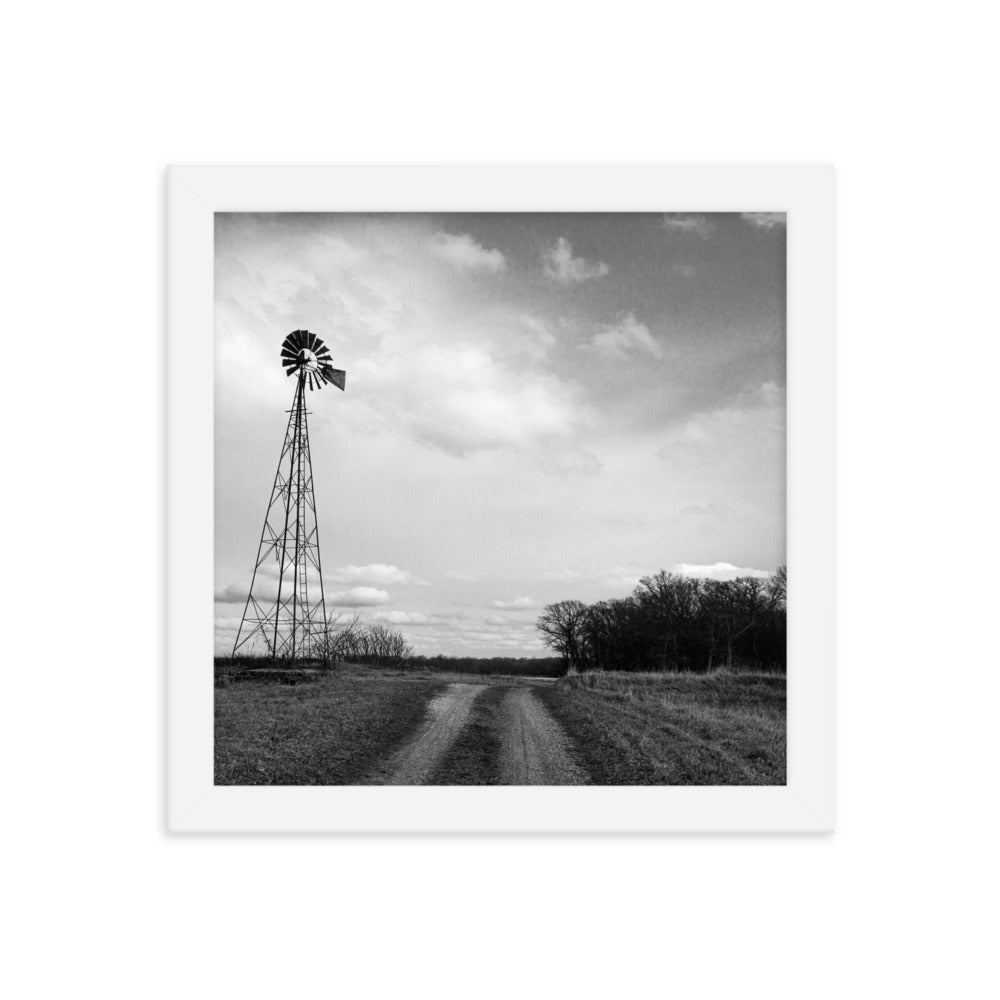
(748, 430)
(373, 573)
(466, 575)
(626, 578)
(266, 585)
(704, 512)
(764, 220)
(568, 462)
(357, 597)
(225, 634)
(409, 618)
(621, 579)
(698, 225)
(485, 636)
(559, 264)
(461, 400)
(449, 356)
(465, 253)
(621, 341)
(717, 571)
(537, 341)
(233, 593)
(518, 604)
(482, 638)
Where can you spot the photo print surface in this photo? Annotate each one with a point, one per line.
(500, 499)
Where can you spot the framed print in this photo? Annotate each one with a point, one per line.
(500, 499)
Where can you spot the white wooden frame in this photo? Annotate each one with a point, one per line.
(805, 803)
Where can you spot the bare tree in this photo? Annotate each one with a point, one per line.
(737, 607)
(611, 635)
(377, 644)
(339, 641)
(778, 585)
(562, 628)
(671, 607)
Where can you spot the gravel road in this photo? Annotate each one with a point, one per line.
(535, 750)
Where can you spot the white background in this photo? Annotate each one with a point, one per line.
(99, 901)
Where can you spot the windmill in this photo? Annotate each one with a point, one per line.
(285, 610)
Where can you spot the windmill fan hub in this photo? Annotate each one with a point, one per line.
(303, 354)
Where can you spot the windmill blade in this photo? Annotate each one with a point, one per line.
(286, 362)
(335, 376)
(323, 353)
(311, 382)
(314, 342)
(296, 338)
(288, 352)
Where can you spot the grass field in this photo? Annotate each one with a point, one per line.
(327, 730)
(497, 666)
(675, 729)
(343, 726)
(506, 666)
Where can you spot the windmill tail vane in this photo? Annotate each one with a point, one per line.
(285, 610)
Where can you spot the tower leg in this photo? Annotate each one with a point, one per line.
(278, 617)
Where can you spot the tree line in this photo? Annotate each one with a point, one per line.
(517, 666)
(675, 623)
(348, 638)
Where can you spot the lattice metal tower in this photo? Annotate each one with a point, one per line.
(285, 611)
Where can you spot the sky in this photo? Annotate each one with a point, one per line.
(538, 408)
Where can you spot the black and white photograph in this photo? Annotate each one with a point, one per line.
(500, 498)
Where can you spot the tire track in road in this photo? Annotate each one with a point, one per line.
(535, 749)
(449, 712)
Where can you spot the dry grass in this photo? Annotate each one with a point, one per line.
(331, 731)
(474, 757)
(627, 729)
(675, 729)
(497, 666)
